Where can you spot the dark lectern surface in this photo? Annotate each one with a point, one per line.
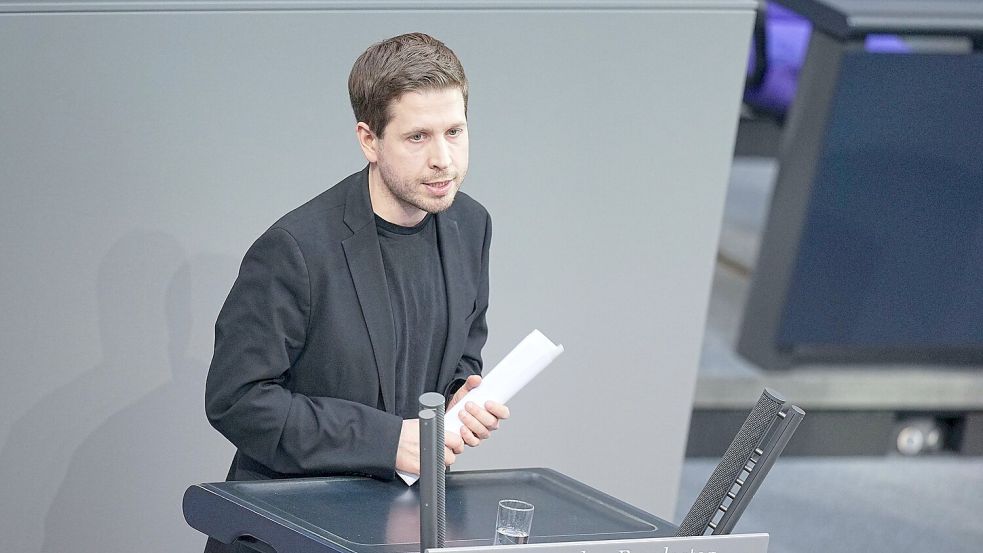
(361, 515)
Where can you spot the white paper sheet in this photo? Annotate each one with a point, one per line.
(526, 360)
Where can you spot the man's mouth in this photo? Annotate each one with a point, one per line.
(439, 187)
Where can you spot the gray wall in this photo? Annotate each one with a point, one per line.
(142, 151)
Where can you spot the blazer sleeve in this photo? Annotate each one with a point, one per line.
(259, 334)
(470, 362)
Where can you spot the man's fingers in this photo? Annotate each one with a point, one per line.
(453, 442)
(500, 411)
(483, 418)
(449, 457)
(472, 424)
(469, 437)
(472, 382)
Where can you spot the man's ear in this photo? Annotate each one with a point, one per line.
(368, 141)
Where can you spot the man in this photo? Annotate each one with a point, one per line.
(352, 305)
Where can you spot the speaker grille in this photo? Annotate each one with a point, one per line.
(731, 464)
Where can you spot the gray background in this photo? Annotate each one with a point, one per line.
(142, 152)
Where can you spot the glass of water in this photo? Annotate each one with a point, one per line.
(514, 522)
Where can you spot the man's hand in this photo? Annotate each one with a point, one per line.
(479, 422)
(408, 450)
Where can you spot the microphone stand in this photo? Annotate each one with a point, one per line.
(433, 514)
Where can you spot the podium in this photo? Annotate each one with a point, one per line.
(362, 515)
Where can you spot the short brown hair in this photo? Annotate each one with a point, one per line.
(405, 63)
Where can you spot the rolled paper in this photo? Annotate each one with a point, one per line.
(526, 360)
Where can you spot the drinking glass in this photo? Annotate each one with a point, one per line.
(514, 522)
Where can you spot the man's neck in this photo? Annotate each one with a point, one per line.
(389, 207)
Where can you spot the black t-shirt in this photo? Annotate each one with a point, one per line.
(418, 295)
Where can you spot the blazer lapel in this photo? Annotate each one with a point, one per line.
(365, 263)
(455, 278)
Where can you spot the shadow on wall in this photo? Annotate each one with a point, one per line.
(85, 461)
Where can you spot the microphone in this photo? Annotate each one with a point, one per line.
(743, 467)
(433, 513)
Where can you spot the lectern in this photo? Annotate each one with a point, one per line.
(361, 515)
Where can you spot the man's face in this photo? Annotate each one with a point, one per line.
(423, 155)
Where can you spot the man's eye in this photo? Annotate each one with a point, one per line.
(416, 137)
(455, 132)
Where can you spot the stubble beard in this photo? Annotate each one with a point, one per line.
(414, 193)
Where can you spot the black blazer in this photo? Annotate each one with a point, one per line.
(302, 380)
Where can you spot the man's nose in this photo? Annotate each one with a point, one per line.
(440, 154)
